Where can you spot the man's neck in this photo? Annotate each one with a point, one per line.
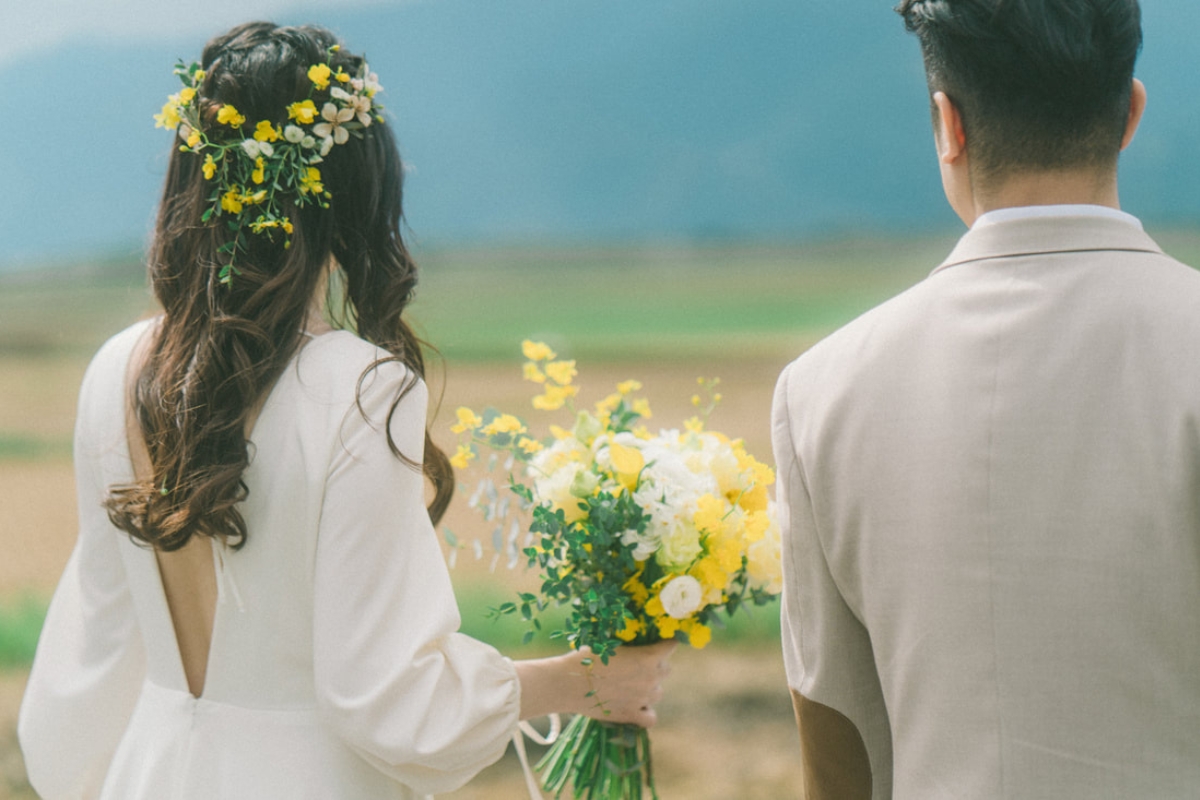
(1045, 188)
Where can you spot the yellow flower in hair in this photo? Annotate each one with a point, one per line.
(193, 138)
(536, 351)
(311, 181)
(257, 197)
(185, 95)
(266, 132)
(319, 75)
(287, 225)
(231, 201)
(260, 169)
(228, 115)
(198, 77)
(304, 112)
(210, 167)
(342, 77)
(169, 116)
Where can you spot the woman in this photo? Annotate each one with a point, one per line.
(257, 606)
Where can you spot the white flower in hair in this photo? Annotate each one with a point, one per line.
(332, 128)
(293, 134)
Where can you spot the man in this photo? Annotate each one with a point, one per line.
(990, 484)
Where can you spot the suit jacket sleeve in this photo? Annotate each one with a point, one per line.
(844, 733)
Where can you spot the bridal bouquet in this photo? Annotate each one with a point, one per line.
(641, 536)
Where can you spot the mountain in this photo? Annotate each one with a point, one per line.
(581, 120)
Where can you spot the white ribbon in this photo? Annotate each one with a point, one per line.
(525, 729)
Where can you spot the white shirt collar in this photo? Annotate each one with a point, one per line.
(1030, 212)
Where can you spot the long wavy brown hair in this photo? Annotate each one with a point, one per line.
(219, 348)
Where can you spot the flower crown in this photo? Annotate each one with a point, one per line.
(251, 176)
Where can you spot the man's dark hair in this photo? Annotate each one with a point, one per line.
(1040, 84)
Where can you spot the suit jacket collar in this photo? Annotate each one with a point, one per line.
(1042, 235)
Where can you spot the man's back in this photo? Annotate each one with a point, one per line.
(992, 488)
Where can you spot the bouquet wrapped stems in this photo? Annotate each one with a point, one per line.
(601, 761)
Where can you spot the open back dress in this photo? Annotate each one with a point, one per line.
(334, 670)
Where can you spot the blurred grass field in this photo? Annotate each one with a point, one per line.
(665, 315)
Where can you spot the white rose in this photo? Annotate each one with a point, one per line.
(681, 596)
(680, 545)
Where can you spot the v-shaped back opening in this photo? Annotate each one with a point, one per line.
(188, 575)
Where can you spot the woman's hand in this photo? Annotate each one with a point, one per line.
(623, 690)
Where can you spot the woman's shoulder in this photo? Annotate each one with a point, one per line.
(340, 366)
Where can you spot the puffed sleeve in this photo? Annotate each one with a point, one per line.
(844, 736)
(424, 704)
(90, 660)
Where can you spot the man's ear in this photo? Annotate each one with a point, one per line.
(1137, 104)
(951, 139)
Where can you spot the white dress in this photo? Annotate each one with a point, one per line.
(335, 669)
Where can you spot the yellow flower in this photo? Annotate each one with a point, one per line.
(304, 112)
(559, 433)
(667, 626)
(193, 138)
(468, 420)
(462, 457)
(654, 606)
(311, 181)
(198, 76)
(169, 116)
(532, 373)
(710, 514)
(505, 423)
(228, 115)
(536, 351)
(694, 425)
(641, 407)
(185, 95)
(627, 463)
(257, 197)
(636, 590)
(231, 201)
(756, 525)
(554, 398)
(342, 77)
(698, 634)
(632, 628)
(259, 173)
(319, 75)
(210, 167)
(608, 404)
(562, 372)
(625, 387)
(530, 446)
(696, 400)
(266, 132)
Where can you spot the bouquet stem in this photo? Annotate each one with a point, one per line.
(600, 760)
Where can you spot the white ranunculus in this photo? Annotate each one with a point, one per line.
(681, 596)
(266, 149)
(294, 134)
(680, 543)
(251, 147)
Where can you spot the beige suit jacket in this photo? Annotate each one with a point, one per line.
(990, 493)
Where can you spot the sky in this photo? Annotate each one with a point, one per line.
(46, 23)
